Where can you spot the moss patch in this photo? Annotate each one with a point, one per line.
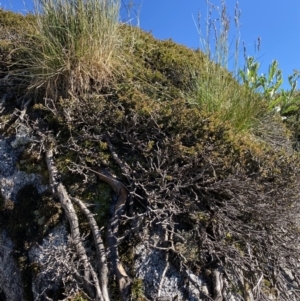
(31, 162)
(15, 31)
(15, 22)
(178, 154)
(99, 195)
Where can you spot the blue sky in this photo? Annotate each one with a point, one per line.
(276, 23)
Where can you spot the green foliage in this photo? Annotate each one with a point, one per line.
(137, 290)
(100, 195)
(184, 128)
(215, 90)
(268, 85)
(78, 297)
(284, 102)
(288, 102)
(13, 26)
(217, 93)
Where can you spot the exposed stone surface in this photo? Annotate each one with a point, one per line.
(150, 263)
(42, 258)
(8, 157)
(11, 181)
(23, 136)
(10, 277)
(150, 266)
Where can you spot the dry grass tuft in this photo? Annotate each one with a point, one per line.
(75, 47)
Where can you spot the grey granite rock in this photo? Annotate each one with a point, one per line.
(11, 181)
(50, 274)
(150, 264)
(10, 277)
(8, 157)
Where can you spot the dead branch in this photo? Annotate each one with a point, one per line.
(124, 282)
(58, 188)
(101, 254)
(217, 285)
(163, 275)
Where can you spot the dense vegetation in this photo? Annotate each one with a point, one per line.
(184, 147)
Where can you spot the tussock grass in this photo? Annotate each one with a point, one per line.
(75, 49)
(217, 91)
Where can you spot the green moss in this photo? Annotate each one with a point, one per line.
(5, 118)
(32, 162)
(12, 21)
(268, 288)
(78, 297)
(63, 163)
(15, 32)
(5, 48)
(162, 70)
(99, 194)
(137, 290)
(236, 289)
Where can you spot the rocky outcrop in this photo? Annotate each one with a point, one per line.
(11, 286)
(47, 260)
(160, 280)
(130, 189)
(17, 259)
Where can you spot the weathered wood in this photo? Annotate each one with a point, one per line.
(248, 296)
(58, 189)
(217, 285)
(101, 254)
(124, 281)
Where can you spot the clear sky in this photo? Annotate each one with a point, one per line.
(276, 23)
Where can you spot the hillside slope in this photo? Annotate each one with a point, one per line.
(131, 189)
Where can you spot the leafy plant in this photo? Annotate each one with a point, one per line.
(283, 101)
(267, 85)
(288, 101)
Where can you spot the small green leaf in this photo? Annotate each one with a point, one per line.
(275, 102)
(290, 109)
(272, 70)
